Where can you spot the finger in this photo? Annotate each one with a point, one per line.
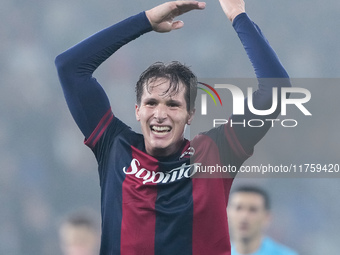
(177, 24)
(186, 6)
(201, 5)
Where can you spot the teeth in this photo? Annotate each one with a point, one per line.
(161, 129)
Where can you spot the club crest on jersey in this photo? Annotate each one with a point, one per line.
(184, 171)
(188, 153)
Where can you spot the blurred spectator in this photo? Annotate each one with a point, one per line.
(249, 216)
(80, 235)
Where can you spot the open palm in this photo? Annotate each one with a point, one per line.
(162, 17)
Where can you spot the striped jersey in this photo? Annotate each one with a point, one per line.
(163, 205)
(159, 205)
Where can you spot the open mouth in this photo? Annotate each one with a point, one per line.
(160, 129)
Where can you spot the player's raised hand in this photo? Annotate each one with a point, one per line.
(232, 8)
(162, 16)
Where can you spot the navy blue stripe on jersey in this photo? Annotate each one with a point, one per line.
(174, 215)
(100, 129)
(111, 183)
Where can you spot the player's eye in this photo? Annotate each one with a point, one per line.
(151, 103)
(173, 104)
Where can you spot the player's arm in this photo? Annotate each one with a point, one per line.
(268, 69)
(85, 97)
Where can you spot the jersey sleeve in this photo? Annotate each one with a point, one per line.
(217, 147)
(86, 99)
(269, 72)
(105, 134)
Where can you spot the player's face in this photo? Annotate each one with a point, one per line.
(78, 241)
(247, 215)
(163, 118)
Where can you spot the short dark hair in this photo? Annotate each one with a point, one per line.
(175, 72)
(82, 219)
(256, 190)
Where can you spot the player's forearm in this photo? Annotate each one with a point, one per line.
(270, 73)
(85, 57)
(263, 58)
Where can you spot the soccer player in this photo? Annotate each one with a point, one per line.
(79, 235)
(150, 201)
(249, 216)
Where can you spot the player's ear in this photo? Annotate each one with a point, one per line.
(137, 112)
(191, 114)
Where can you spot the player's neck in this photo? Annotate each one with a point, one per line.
(248, 246)
(165, 152)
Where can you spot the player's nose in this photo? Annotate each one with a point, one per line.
(160, 112)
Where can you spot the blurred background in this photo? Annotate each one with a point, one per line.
(45, 170)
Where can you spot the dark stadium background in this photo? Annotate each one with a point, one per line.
(46, 171)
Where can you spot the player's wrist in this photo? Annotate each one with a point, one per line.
(234, 14)
(148, 15)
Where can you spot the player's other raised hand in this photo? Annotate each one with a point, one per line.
(162, 16)
(232, 8)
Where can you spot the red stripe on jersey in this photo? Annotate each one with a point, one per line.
(210, 224)
(99, 130)
(138, 206)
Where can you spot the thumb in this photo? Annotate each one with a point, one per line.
(177, 24)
